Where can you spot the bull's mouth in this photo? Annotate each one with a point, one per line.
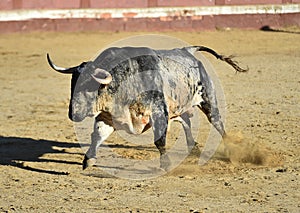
(79, 118)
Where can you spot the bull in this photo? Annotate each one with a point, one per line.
(136, 88)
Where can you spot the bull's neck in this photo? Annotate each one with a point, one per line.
(103, 102)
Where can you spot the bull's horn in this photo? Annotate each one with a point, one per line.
(60, 69)
(102, 76)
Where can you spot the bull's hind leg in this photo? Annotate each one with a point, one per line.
(186, 124)
(210, 108)
(214, 118)
(101, 132)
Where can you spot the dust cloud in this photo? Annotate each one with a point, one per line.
(240, 150)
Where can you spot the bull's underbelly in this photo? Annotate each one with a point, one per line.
(136, 118)
(137, 126)
(133, 121)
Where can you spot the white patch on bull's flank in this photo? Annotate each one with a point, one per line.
(197, 99)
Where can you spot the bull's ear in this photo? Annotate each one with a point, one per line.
(102, 76)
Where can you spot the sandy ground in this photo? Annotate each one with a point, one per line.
(40, 157)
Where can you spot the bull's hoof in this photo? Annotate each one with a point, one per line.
(165, 162)
(88, 162)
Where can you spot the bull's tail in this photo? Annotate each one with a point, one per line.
(227, 59)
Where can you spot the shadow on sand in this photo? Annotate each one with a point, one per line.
(14, 151)
(267, 28)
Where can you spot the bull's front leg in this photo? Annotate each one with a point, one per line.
(159, 121)
(101, 132)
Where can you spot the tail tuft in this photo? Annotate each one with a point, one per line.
(228, 59)
(234, 64)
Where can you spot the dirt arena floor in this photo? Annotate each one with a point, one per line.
(40, 157)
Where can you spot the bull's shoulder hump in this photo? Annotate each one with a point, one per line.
(125, 52)
(129, 50)
(112, 56)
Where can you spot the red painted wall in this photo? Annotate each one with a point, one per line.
(249, 2)
(64, 4)
(182, 3)
(127, 23)
(118, 3)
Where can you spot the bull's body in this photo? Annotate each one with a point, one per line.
(142, 88)
(144, 81)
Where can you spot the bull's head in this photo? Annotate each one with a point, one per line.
(85, 83)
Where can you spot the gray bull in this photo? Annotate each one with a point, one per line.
(134, 89)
